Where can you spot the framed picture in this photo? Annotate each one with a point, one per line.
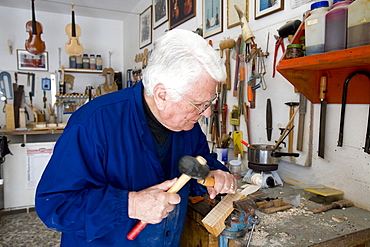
(212, 17)
(232, 16)
(29, 61)
(180, 11)
(145, 34)
(160, 12)
(266, 7)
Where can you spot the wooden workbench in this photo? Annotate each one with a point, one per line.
(295, 227)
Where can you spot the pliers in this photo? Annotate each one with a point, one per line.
(279, 42)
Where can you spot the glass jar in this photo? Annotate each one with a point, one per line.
(302, 41)
(235, 168)
(293, 51)
(92, 61)
(85, 62)
(72, 62)
(79, 62)
(99, 62)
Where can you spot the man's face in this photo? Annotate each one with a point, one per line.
(184, 114)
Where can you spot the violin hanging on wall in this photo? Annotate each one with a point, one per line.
(34, 44)
(73, 46)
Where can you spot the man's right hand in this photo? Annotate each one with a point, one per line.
(153, 204)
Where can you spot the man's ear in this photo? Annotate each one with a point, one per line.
(160, 96)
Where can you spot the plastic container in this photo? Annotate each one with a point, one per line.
(79, 62)
(315, 28)
(336, 26)
(235, 168)
(294, 51)
(85, 61)
(92, 61)
(99, 62)
(358, 26)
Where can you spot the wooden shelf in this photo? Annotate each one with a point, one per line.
(87, 71)
(33, 132)
(305, 73)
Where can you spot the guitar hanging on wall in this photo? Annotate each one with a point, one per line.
(73, 46)
(34, 44)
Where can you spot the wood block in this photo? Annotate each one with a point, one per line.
(214, 222)
(9, 114)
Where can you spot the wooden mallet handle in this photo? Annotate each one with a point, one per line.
(183, 179)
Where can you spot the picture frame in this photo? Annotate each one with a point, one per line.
(180, 11)
(232, 16)
(145, 32)
(267, 7)
(212, 17)
(160, 12)
(29, 61)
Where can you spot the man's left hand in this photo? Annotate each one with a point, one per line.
(224, 183)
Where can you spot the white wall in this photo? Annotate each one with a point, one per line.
(98, 36)
(345, 168)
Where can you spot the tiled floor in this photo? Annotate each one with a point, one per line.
(25, 230)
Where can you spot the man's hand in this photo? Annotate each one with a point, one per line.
(224, 183)
(152, 204)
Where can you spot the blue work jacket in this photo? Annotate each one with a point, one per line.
(105, 151)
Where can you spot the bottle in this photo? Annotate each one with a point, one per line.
(92, 61)
(358, 27)
(72, 62)
(79, 62)
(235, 168)
(85, 62)
(99, 62)
(336, 26)
(315, 28)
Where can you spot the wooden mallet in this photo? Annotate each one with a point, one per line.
(190, 167)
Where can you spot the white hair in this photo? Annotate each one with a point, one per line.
(179, 58)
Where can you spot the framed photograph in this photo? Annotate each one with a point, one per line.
(145, 34)
(232, 16)
(160, 12)
(29, 61)
(181, 11)
(212, 17)
(266, 7)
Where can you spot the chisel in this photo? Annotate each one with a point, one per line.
(301, 120)
(321, 150)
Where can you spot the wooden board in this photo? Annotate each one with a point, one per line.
(326, 191)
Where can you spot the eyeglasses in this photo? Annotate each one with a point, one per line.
(204, 105)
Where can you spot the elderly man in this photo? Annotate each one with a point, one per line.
(119, 153)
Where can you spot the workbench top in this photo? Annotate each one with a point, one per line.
(298, 226)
